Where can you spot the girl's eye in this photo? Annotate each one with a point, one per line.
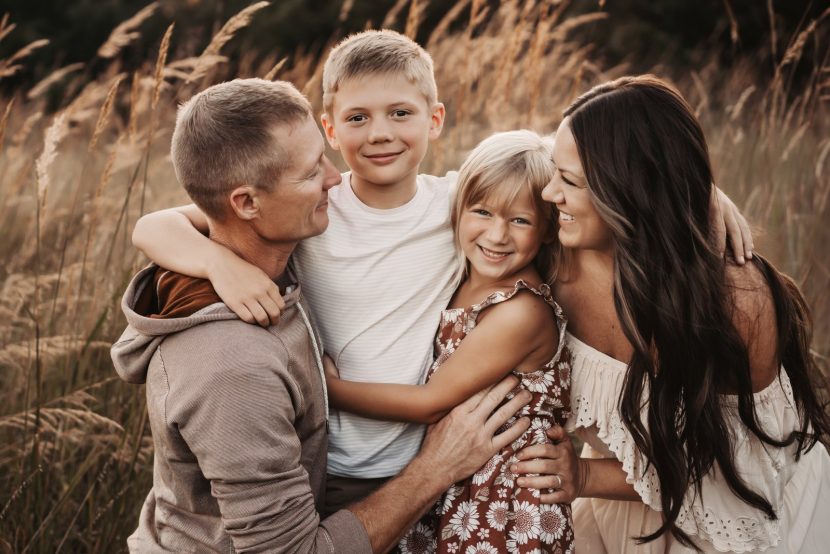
(480, 211)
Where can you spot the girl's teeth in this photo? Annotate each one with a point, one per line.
(494, 254)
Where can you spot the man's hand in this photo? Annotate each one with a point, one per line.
(246, 290)
(729, 223)
(465, 439)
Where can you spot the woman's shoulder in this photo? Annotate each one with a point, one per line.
(753, 315)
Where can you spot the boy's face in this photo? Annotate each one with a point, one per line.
(382, 124)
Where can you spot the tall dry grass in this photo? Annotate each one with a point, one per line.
(75, 456)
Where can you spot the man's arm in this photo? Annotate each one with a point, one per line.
(454, 448)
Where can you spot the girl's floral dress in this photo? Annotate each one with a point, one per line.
(488, 513)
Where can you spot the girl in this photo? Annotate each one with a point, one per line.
(693, 385)
(501, 319)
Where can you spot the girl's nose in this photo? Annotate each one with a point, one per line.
(497, 232)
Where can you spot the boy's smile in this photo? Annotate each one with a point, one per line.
(382, 125)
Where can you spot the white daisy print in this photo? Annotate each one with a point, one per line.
(482, 475)
(552, 521)
(526, 522)
(419, 540)
(537, 381)
(465, 520)
(497, 515)
(481, 548)
(449, 496)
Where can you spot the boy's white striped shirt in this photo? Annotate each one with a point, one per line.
(376, 282)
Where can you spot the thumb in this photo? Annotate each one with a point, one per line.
(556, 433)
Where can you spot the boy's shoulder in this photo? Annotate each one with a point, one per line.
(440, 185)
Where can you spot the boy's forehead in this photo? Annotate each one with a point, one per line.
(377, 88)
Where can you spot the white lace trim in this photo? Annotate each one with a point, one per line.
(717, 516)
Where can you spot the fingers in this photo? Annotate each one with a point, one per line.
(271, 309)
(539, 451)
(733, 231)
(746, 235)
(556, 433)
(242, 312)
(511, 433)
(495, 396)
(716, 219)
(556, 497)
(259, 314)
(505, 412)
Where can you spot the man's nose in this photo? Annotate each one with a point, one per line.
(332, 176)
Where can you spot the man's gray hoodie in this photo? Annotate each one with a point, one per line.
(238, 417)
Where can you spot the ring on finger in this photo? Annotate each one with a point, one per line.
(558, 481)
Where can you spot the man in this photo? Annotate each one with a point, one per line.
(238, 412)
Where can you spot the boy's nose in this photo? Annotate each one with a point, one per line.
(379, 131)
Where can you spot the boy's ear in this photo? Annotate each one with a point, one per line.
(436, 123)
(328, 128)
(244, 202)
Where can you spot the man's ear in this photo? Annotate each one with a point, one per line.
(244, 202)
(436, 121)
(328, 129)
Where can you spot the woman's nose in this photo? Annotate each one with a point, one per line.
(553, 193)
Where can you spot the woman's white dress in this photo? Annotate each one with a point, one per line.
(716, 520)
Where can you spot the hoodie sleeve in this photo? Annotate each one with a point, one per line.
(238, 420)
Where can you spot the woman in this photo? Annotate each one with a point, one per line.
(693, 385)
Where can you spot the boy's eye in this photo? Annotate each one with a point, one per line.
(400, 113)
(356, 118)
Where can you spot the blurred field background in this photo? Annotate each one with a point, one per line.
(87, 104)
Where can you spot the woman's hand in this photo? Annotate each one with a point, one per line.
(560, 471)
(246, 289)
(730, 224)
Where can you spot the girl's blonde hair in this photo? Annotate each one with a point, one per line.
(498, 168)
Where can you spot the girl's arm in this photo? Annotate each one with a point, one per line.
(175, 239)
(499, 343)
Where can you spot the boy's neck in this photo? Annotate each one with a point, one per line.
(385, 196)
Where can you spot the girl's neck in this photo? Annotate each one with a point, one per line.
(477, 287)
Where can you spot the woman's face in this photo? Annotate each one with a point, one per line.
(580, 225)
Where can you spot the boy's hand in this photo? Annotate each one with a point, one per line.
(560, 473)
(246, 289)
(329, 368)
(729, 223)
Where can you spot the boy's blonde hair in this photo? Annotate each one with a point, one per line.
(497, 170)
(378, 52)
(224, 138)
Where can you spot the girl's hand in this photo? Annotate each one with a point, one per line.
(329, 368)
(561, 473)
(246, 289)
(730, 224)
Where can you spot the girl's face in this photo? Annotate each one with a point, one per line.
(580, 225)
(500, 239)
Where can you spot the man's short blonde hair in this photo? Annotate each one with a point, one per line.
(225, 137)
(378, 52)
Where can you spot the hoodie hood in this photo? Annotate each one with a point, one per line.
(152, 307)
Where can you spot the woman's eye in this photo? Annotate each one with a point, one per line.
(521, 221)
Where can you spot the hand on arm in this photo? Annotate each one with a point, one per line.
(729, 223)
(175, 239)
(454, 448)
(567, 475)
(497, 345)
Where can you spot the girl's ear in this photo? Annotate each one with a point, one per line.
(328, 128)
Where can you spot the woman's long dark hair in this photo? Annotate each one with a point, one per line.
(647, 166)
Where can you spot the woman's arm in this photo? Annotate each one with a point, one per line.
(498, 344)
(568, 476)
(175, 239)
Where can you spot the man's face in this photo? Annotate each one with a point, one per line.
(296, 206)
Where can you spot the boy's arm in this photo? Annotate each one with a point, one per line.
(175, 239)
(497, 345)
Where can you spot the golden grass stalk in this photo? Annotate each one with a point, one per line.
(51, 139)
(158, 78)
(44, 84)
(132, 124)
(9, 67)
(415, 17)
(4, 121)
(345, 10)
(125, 33)
(440, 31)
(393, 13)
(5, 28)
(793, 53)
(104, 114)
(272, 74)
